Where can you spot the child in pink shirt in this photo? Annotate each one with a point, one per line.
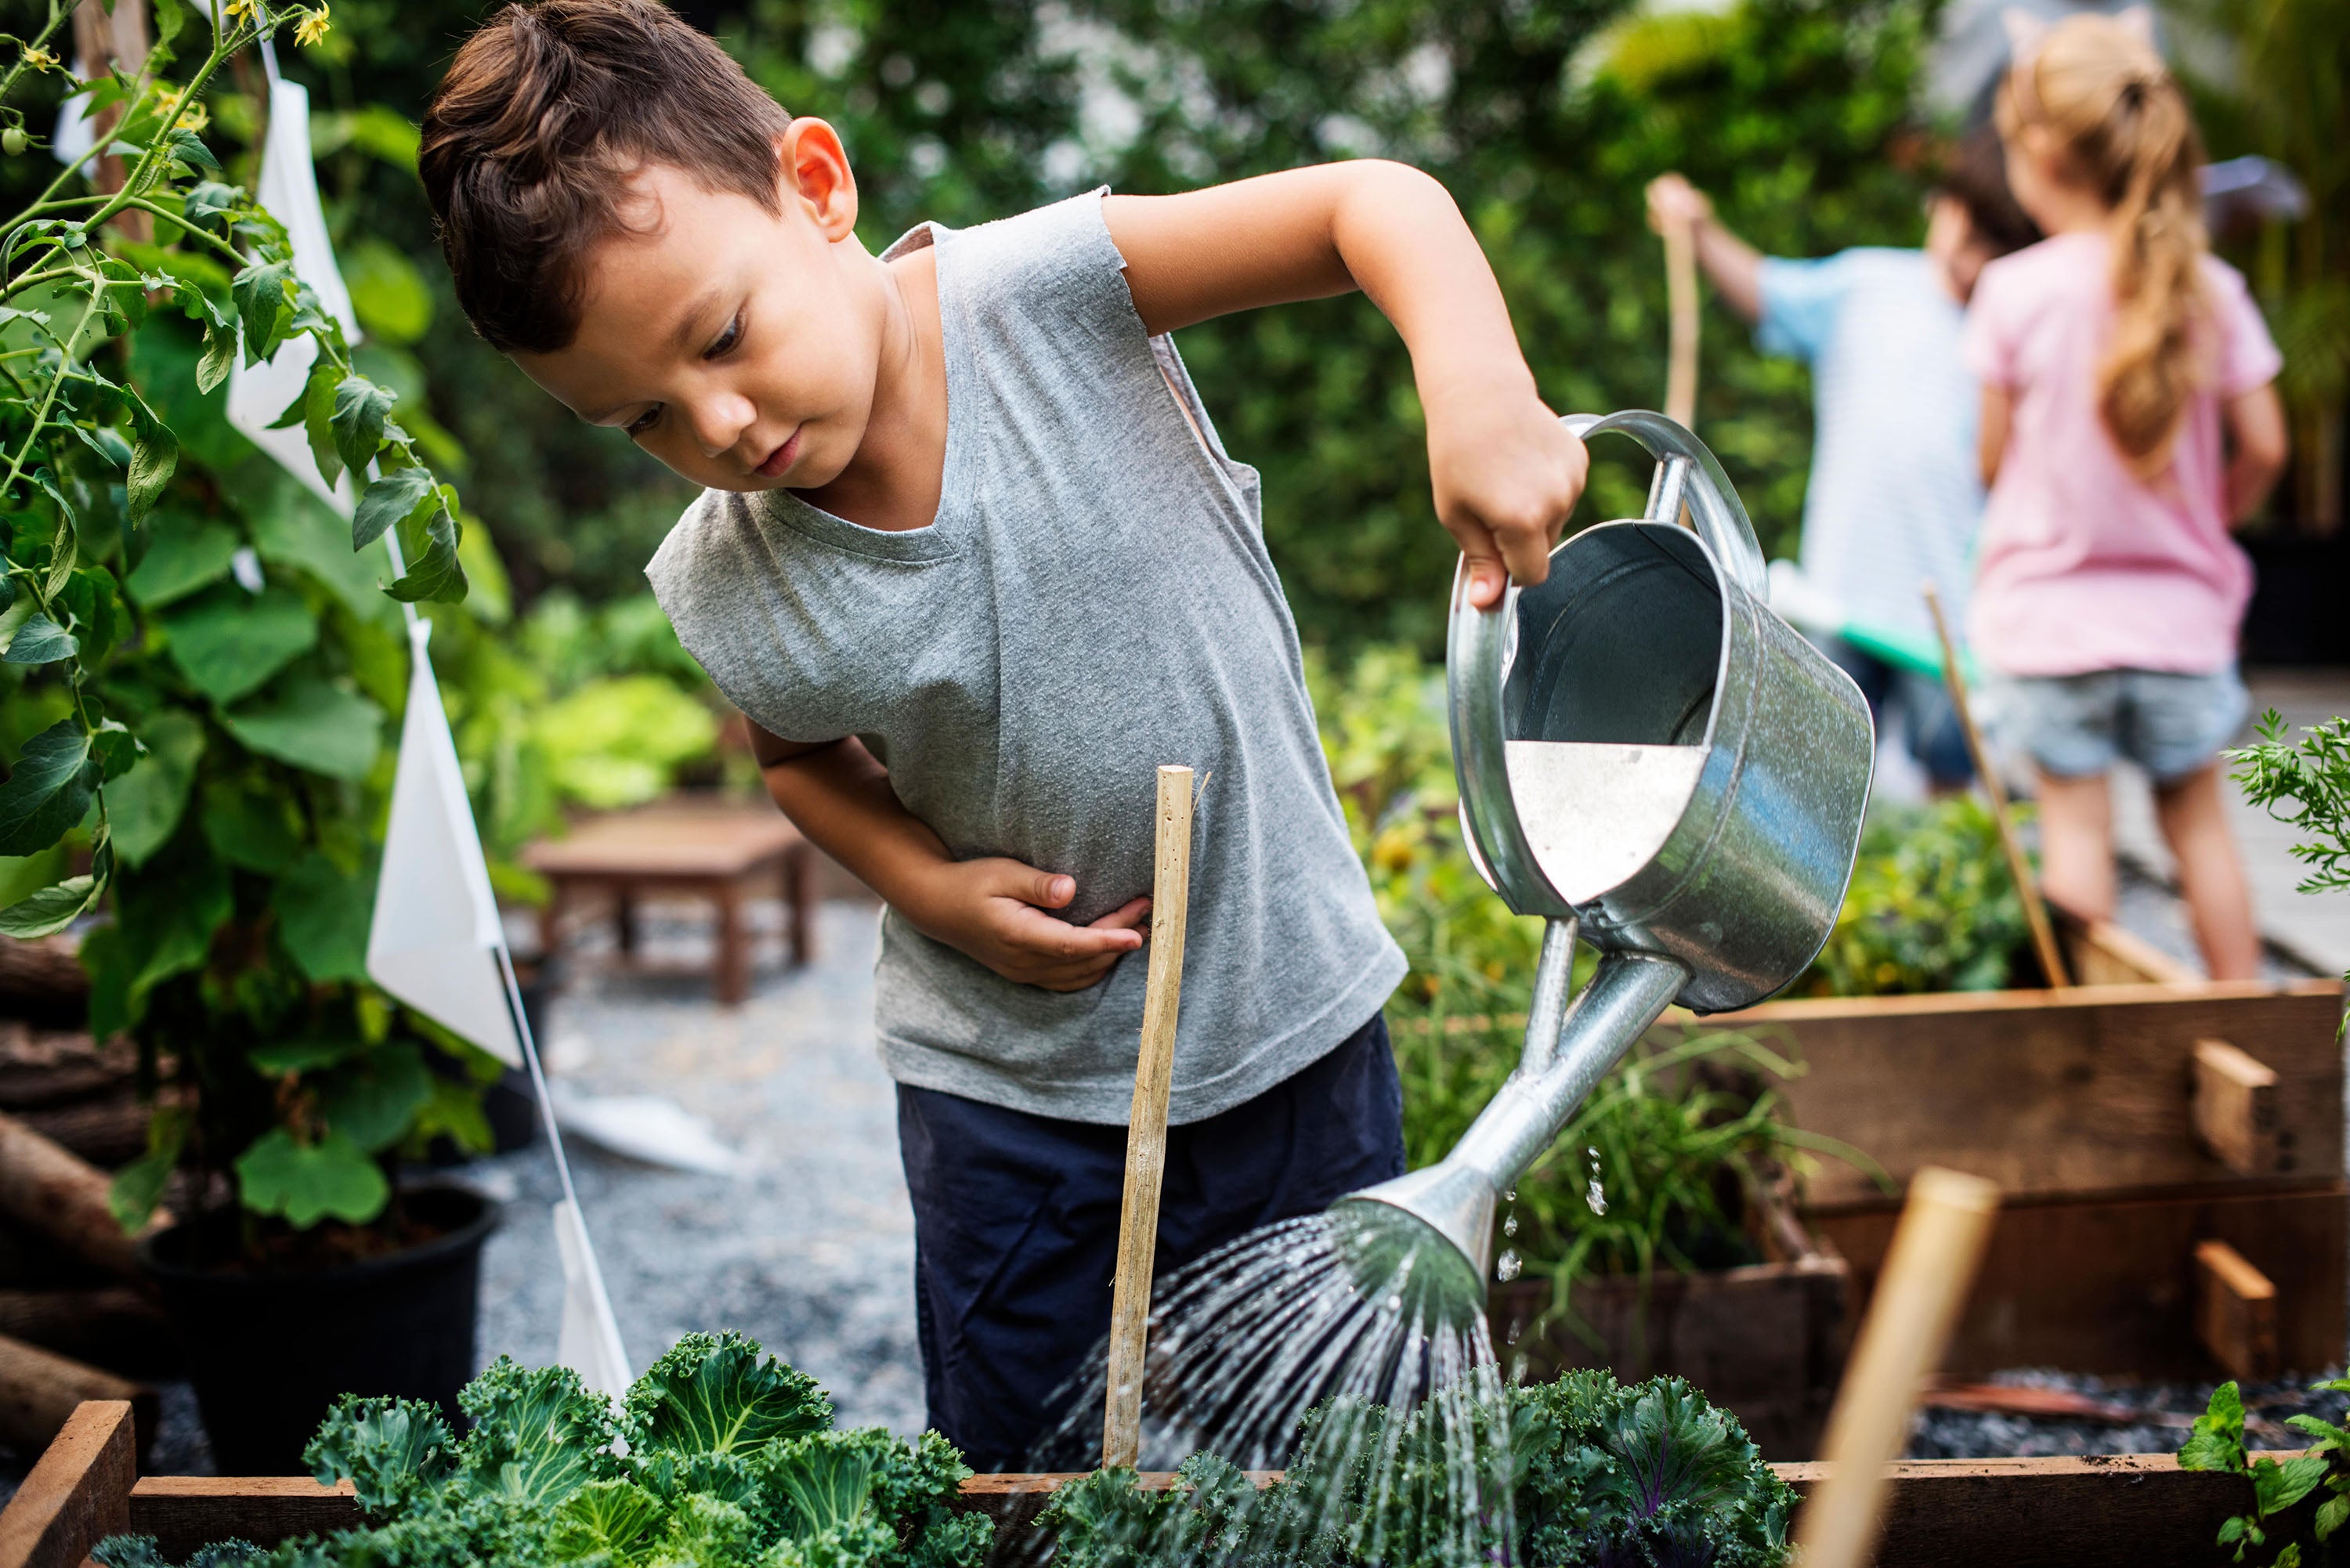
(2128, 420)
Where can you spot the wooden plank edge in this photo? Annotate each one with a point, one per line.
(77, 1493)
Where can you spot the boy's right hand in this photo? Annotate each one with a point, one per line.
(994, 910)
(1674, 203)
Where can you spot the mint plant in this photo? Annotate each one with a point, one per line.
(2217, 1443)
(195, 668)
(2304, 783)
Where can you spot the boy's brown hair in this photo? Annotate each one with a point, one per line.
(544, 115)
(1974, 175)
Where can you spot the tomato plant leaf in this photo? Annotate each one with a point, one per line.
(322, 918)
(138, 1187)
(115, 749)
(51, 909)
(181, 559)
(2216, 1441)
(308, 1182)
(283, 1056)
(313, 725)
(317, 421)
(152, 462)
(361, 408)
(429, 538)
(48, 791)
(387, 501)
(40, 640)
(229, 642)
(262, 306)
(373, 1099)
(144, 805)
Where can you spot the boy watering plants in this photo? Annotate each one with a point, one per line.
(1894, 498)
(973, 560)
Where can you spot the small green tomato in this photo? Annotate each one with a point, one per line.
(13, 140)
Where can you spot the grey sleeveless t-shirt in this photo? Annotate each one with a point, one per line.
(1094, 599)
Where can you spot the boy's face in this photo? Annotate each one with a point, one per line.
(736, 345)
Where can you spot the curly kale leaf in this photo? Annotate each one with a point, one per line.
(613, 1518)
(390, 1450)
(538, 1435)
(1649, 1475)
(715, 1394)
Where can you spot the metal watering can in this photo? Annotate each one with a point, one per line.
(1649, 757)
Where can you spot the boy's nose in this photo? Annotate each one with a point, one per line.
(719, 423)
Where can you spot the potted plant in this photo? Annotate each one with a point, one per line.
(199, 674)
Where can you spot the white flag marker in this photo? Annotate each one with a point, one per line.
(589, 1341)
(434, 942)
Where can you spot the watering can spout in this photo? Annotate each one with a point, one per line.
(1456, 1196)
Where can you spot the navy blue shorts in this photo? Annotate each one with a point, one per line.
(1015, 1223)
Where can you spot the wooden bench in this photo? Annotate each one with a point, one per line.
(723, 853)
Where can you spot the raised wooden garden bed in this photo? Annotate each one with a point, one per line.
(2169, 1149)
(2130, 1510)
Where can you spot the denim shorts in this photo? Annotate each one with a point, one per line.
(2074, 726)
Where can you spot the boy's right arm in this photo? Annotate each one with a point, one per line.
(1734, 267)
(992, 909)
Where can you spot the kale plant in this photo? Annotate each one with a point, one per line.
(718, 1455)
(1646, 1475)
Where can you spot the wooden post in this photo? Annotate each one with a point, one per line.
(40, 1390)
(1146, 1128)
(1681, 296)
(62, 1195)
(2235, 1312)
(1944, 1226)
(2236, 1108)
(2035, 911)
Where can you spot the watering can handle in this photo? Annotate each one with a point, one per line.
(1721, 521)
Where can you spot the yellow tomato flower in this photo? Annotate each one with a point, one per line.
(240, 10)
(312, 27)
(41, 59)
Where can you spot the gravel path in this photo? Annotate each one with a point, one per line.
(810, 1251)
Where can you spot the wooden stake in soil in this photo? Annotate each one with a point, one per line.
(1681, 296)
(2036, 908)
(1146, 1127)
(62, 1195)
(1944, 1226)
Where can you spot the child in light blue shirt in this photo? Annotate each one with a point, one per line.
(1895, 493)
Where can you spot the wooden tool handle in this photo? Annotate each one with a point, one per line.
(1936, 1247)
(2036, 908)
(1680, 297)
(1146, 1127)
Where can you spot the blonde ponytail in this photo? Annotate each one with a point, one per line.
(2126, 135)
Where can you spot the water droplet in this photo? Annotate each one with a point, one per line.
(1510, 1225)
(1395, 1304)
(1507, 1268)
(1594, 1194)
(1511, 1196)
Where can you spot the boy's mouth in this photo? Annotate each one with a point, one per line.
(781, 458)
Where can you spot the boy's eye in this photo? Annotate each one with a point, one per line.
(726, 339)
(643, 422)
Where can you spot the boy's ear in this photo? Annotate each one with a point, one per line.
(812, 171)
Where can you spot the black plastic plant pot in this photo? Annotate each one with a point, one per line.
(269, 1351)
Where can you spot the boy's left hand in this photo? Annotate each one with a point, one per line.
(1505, 474)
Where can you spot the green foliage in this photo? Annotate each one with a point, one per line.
(731, 1460)
(1932, 907)
(2304, 784)
(198, 669)
(1601, 1472)
(2217, 1443)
